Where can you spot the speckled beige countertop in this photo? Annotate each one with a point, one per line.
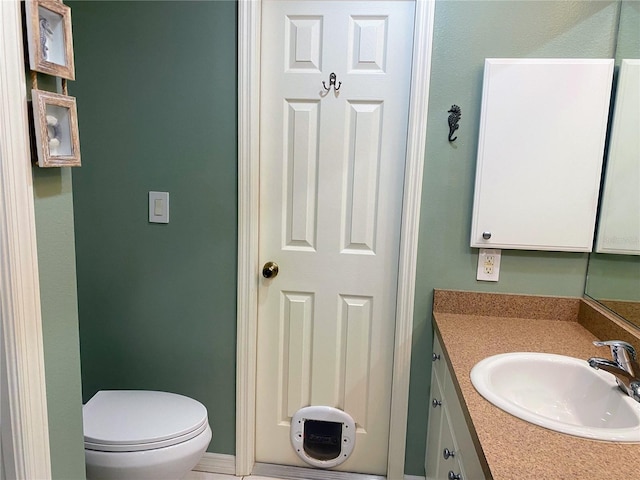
(473, 326)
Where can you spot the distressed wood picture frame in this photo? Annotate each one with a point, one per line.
(49, 37)
(55, 120)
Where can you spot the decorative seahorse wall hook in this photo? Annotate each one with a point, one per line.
(454, 118)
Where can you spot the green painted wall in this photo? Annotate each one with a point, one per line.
(467, 32)
(56, 264)
(156, 93)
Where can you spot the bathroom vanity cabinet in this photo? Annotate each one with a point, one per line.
(451, 453)
(488, 442)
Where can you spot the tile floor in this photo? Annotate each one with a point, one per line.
(219, 476)
(208, 476)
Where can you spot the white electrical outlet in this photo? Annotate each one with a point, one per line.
(488, 265)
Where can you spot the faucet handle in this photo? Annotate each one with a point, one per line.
(623, 353)
(615, 345)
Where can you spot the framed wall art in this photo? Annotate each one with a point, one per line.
(49, 37)
(56, 129)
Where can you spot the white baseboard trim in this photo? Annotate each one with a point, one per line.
(302, 473)
(226, 464)
(216, 463)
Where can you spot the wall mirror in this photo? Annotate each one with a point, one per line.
(613, 279)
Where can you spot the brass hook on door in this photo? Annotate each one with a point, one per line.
(332, 83)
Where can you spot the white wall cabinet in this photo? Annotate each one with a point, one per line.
(450, 452)
(540, 150)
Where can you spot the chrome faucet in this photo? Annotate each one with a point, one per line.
(624, 366)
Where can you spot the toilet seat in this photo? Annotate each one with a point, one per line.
(138, 420)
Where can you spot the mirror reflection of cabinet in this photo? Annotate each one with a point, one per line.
(619, 224)
(540, 151)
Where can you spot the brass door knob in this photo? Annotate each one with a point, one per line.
(270, 270)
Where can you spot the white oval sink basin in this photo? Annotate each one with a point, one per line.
(559, 393)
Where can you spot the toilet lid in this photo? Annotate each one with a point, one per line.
(133, 420)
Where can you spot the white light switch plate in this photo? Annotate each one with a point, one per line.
(158, 207)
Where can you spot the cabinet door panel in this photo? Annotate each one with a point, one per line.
(540, 151)
(434, 431)
(466, 450)
(438, 363)
(447, 441)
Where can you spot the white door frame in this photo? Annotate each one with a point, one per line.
(25, 430)
(249, 24)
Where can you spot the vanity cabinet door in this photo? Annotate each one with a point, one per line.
(438, 362)
(465, 449)
(448, 429)
(434, 431)
(450, 461)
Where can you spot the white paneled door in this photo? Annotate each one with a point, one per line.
(331, 186)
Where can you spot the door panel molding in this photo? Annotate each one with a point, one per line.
(302, 125)
(249, 32)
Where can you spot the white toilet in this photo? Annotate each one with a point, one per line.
(135, 434)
